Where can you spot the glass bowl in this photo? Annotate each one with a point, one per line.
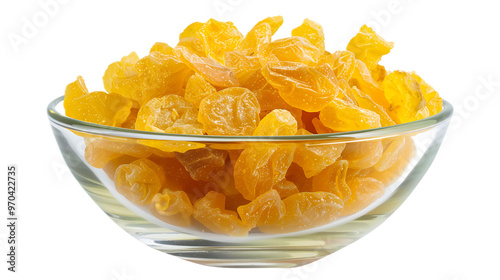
(397, 156)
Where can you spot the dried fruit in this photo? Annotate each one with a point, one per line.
(306, 210)
(403, 92)
(292, 49)
(432, 98)
(219, 38)
(313, 158)
(263, 210)
(161, 75)
(277, 123)
(97, 107)
(138, 181)
(218, 82)
(333, 180)
(210, 211)
(121, 77)
(343, 63)
(301, 86)
(362, 155)
(211, 70)
(369, 47)
(233, 111)
(364, 190)
(172, 207)
(342, 116)
(198, 88)
(313, 32)
(201, 163)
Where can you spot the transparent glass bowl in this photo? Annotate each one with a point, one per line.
(422, 138)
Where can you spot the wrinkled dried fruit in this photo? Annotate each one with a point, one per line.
(263, 210)
(301, 86)
(218, 38)
(161, 75)
(210, 211)
(403, 92)
(342, 116)
(198, 88)
(97, 107)
(364, 190)
(369, 47)
(277, 123)
(201, 163)
(292, 49)
(313, 32)
(361, 155)
(211, 70)
(233, 111)
(138, 181)
(333, 180)
(314, 157)
(172, 207)
(306, 210)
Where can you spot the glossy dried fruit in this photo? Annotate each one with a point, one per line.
(292, 49)
(201, 163)
(391, 174)
(313, 32)
(362, 155)
(189, 38)
(403, 92)
(391, 154)
(258, 36)
(198, 88)
(242, 65)
(306, 210)
(432, 98)
(369, 47)
(218, 38)
(274, 22)
(233, 111)
(300, 86)
(263, 210)
(342, 116)
(261, 166)
(163, 48)
(138, 181)
(169, 114)
(173, 207)
(98, 151)
(277, 123)
(210, 211)
(364, 101)
(121, 77)
(97, 107)
(161, 75)
(285, 188)
(365, 190)
(211, 70)
(268, 96)
(343, 63)
(362, 79)
(333, 180)
(314, 157)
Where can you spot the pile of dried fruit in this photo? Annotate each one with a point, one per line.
(218, 82)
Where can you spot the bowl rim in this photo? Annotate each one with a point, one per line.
(57, 118)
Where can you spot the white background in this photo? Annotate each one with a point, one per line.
(448, 229)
